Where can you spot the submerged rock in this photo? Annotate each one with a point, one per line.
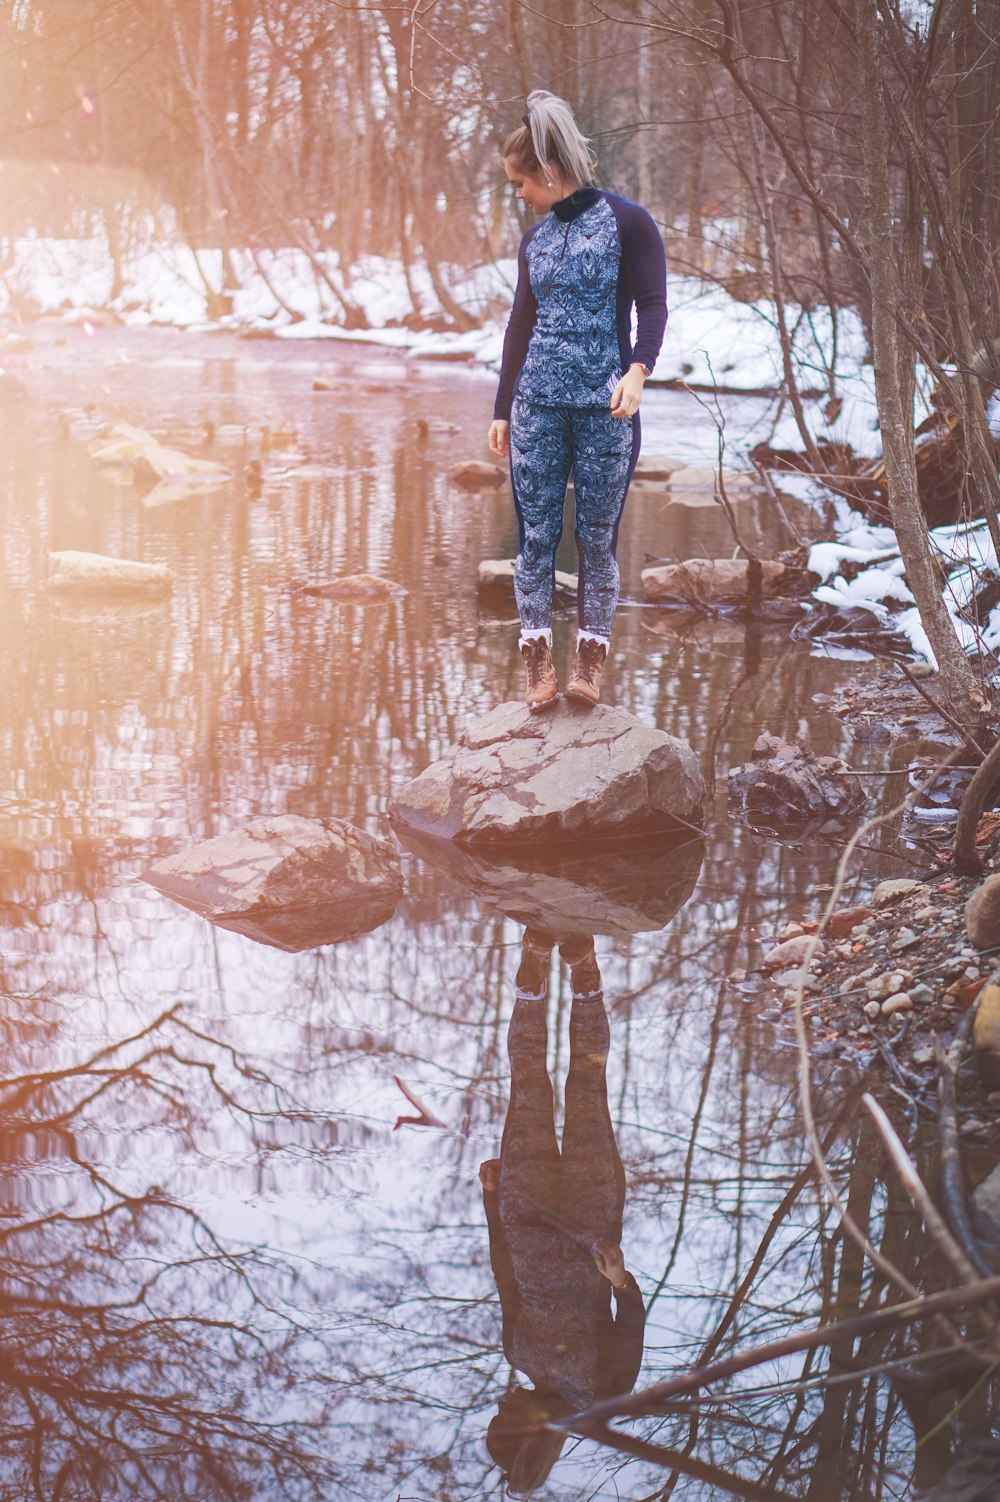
(290, 882)
(618, 892)
(74, 571)
(474, 474)
(362, 588)
(785, 785)
(571, 773)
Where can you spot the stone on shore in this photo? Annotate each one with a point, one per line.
(496, 576)
(982, 915)
(714, 581)
(574, 893)
(74, 571)
(568, 774)
(287, 881)
(986, 1035)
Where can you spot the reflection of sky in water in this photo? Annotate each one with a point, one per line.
(129, 734)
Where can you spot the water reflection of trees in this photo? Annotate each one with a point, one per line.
(145, 1354)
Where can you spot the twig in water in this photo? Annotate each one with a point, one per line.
(916, 1189)
(952, 1183)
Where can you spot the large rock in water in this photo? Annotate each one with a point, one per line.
(286, 881)
(571, 773)
(575, 892)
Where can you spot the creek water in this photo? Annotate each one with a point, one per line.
(225, 1273)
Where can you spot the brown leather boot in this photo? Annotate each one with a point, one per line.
(541, 685)
(585, 683)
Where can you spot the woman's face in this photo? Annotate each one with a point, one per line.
(530, 187)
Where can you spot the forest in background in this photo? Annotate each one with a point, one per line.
(814, 153)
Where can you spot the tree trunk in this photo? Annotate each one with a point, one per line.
(894, 391)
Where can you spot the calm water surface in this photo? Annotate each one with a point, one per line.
(225, 1273)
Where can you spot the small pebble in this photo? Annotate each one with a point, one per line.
(887, 984)
(993, 1099)
(790, 931)
(921, 995)
(899, 1003)
(925, 915)
(891, 891)
(872, 1009)
(844, 951)
(906, 939)
(847, 921)
(791, 952)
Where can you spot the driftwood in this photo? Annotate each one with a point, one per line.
(942, 471)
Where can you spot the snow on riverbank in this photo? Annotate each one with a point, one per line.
(711, 337)
(872, 559)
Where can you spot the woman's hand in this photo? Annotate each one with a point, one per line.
(627, 394)
(610, 1262)
(499, 439)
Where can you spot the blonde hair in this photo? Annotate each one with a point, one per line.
(551, 137)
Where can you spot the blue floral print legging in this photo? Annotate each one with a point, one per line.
(546, 444)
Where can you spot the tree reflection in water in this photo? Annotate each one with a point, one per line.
(143, 1357)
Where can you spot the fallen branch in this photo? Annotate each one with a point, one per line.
(984, 781)
(895, 1317)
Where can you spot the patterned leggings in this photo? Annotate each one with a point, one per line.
(546, 444)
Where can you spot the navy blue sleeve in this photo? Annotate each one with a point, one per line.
(643, 281)
(519, 327)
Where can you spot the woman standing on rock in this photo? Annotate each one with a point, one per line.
(571, 382)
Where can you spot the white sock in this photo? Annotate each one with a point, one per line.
(604, 641)
(544, 633)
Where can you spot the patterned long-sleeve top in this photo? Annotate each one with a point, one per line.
(581, 270)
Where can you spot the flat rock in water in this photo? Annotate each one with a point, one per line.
(73, 571)
(137, 453)
(656, 467)
(290, 882)
(496, 575)
(571, 773)
(713, 581)
(618, 892)
(704, 477)
(363, 588)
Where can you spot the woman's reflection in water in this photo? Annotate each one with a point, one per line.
(555, 1224)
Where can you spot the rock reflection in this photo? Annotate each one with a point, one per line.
(618, 890)
(555, 1224)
